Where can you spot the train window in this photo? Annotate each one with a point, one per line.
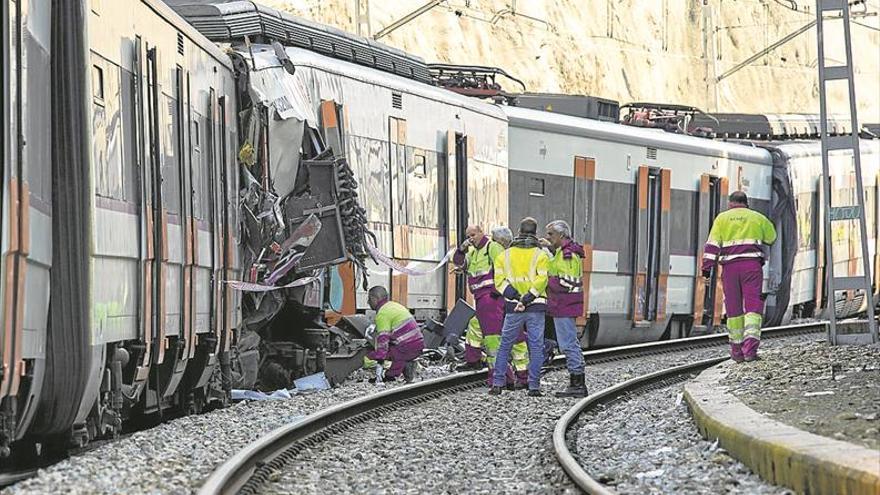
(420, 168)
(536, 186)
(98, 82)
(196, 140)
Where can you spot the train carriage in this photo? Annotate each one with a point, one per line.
(801, 163)
(642, 201)
(164, 218)
(142, 220)
(25, 205)
(427, 161)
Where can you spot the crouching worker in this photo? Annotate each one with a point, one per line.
(398, 336)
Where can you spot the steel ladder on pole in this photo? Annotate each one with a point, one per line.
(847, 212)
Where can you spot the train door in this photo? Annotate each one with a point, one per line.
(144, 86)
(187, 147)
(708, 299)
(157, 225)
(652, 245)
(18, 164)
(12, 124)
(456, 197)
(583, 207)
(399, 222)
(225, 261)
(169, 241)
(819, 281)
(211, 202)
(340, 289)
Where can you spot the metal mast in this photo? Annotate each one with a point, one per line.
(845, 213)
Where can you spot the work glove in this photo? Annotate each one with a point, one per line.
(464, 246)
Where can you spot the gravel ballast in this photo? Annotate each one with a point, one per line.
(669, 455)
(175, 457)
(832, 391)
(447, 444)
(465, 443)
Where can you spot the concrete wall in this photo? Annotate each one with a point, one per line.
(649, 50)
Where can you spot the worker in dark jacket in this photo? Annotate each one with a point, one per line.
(565, 301)
(398, 336)
(736, 242)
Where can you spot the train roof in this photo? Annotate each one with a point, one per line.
(237, 21)
(655, 138)
(264, 56)
(802, 149)
(166, 12)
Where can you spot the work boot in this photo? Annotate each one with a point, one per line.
(750, 349)
(470, 366)
(736, 352)
(409, 372)
(576, 387)
(495, 390)
(535, 392)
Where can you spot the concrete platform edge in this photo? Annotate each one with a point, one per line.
(779, 453)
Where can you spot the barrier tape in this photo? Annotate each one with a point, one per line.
(379, 255)
(387, 261)
(251, 287)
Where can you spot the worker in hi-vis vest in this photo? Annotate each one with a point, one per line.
(521, 277)
(398, 336)
(476, 257)
(736, 242)
(565, 301)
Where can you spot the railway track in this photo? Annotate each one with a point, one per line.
(641, 384)
(262, 460)
(14, 476)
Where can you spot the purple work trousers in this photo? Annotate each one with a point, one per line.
(401, 354)
(490, 314)
(743, 280)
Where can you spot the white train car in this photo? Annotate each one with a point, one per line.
(428, 162)
(26, 208)
(131, 200)
(801, 162)
(642, 202)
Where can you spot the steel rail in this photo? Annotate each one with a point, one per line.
(567, 460)
(569, 463)
(253, 465)
(12, 477)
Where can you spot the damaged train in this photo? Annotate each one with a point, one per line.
(220, 180)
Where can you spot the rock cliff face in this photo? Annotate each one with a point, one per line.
(672, 51)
